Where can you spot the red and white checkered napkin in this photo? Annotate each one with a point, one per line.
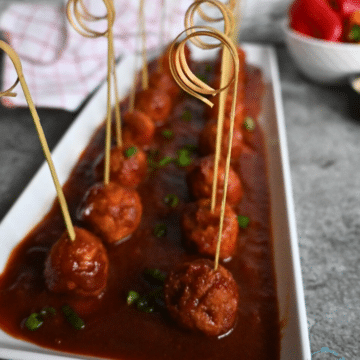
(62, 67)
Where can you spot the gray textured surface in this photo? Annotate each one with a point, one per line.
(324, 143)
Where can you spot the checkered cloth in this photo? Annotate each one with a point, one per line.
(60, 66)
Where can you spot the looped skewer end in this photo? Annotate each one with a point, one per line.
(181, 72)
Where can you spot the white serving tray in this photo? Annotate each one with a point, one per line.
(40, 193)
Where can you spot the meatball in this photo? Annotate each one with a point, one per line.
(201, 228)
(128, 166)
(200, 179)
(112, 211)
(77, 267)
(138, 128)
(155, 103)
(202, 299)
(207, 140)
(165, 82)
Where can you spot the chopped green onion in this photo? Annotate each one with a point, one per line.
(155, 274)
(243, 221)
(186, 116)
(72, 317)
(167, 134)
(354, 34)
(34, 321)
(201, 77)
(208, 68)
(130, 151)
(172, 200)
(143, 305)
(132, 297)
(160, 230)
(46, 311)
(190, 147)
(165, 161)
(184, 158)
(249, 124)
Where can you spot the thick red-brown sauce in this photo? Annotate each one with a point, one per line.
(116, 330)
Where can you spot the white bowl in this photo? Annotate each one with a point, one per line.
(323, 61)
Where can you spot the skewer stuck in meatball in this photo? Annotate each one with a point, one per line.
(201, 228)
(128, 166)
(199, 298)
(77, 267)
(200, 180)
(112, 211)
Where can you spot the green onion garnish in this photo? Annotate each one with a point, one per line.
(167, 134)
(354, 33)
(160, 230)
(249, 124)
(72, 317)
(143, 305)
(184, 157)
(34, 321)
(243, 221)
(130, 151)
(186, 116)
(132, 297)
(155, 274)
(46, 311)
(165, 161)
(208, 68)
(172, 200)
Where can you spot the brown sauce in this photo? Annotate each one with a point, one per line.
(114, 329)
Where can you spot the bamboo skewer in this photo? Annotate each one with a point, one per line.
(186, 80)
(145, 75)
(228, 30)
(77, 9)
(62, 201)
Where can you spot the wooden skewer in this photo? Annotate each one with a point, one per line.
(62, 201)
(228, 30)
(182, 75)
(81, 14)
(145, 75)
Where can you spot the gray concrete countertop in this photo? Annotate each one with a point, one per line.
(324, 144)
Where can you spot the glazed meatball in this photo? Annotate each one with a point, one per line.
(77, 267)
(207, 140)
(201, 228)
(138, 129)
(165, 82)
(155, 103)
(202, 299)
(200, 179)
(112, 211)
(128, 166)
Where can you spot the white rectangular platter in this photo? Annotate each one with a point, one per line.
(40, 193)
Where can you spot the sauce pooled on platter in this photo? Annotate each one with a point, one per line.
(113, 329)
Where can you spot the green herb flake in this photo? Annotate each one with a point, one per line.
(160, 230)
(208, 68)
(132, 297)
(354, 34)
(144, 306)
(72, 317)
(172, 200)
(155, 274)
(187, 115)
(243, 221)
(184, 158)
(167, 134)
(249, 124)
(34, 321)
(48, 311)
(131, 151)
(165, 161)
